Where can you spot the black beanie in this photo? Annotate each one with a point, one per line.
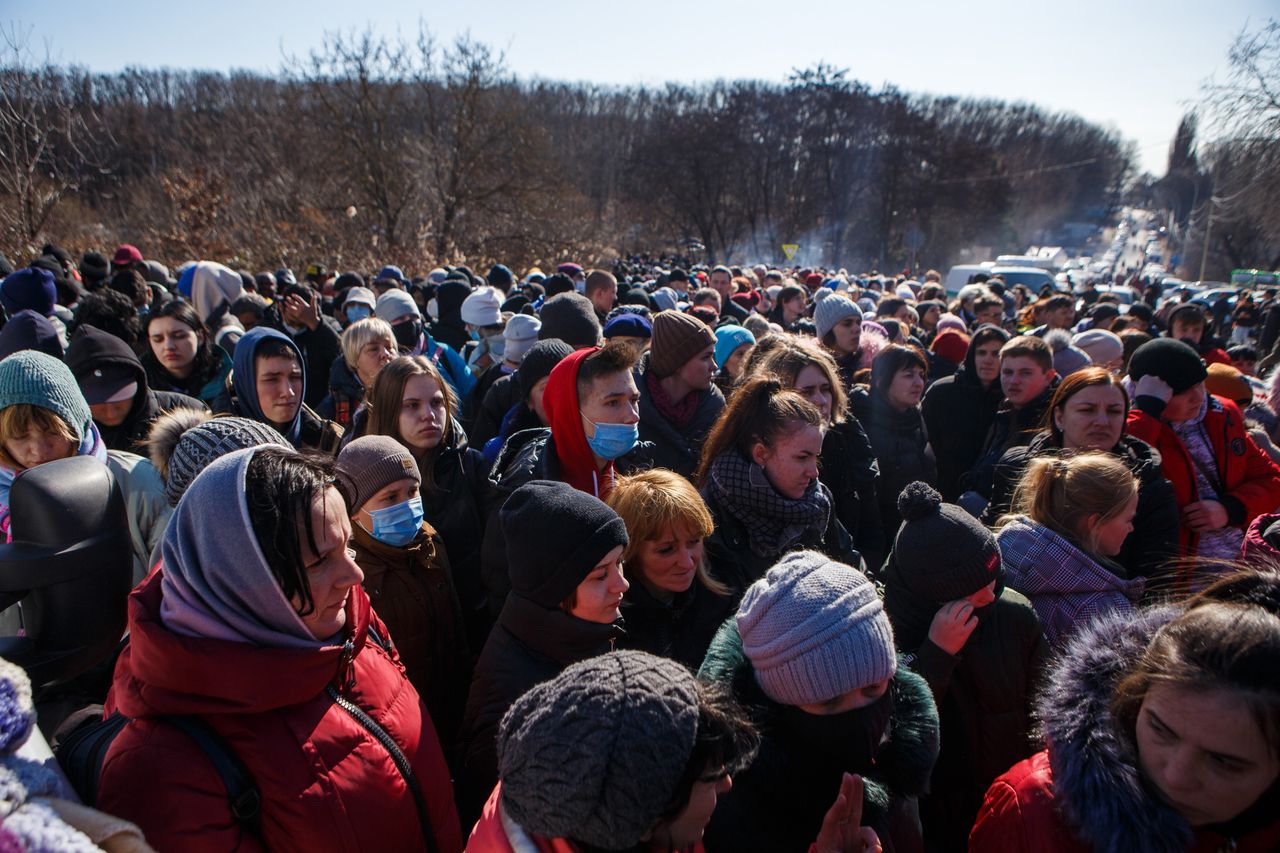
(555, 536)
(571, 318)
(942, 552)
(1173, 361)
(538, 363)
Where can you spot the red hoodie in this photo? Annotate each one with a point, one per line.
(577, 462)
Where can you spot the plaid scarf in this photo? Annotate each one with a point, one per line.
(774, 523)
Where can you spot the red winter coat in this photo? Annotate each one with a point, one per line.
(1249, 477)
(326, 783)
(1019, 815)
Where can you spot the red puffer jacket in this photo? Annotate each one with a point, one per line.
(1249, 477)
(326, 782)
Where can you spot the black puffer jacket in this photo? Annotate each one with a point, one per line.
(901, 447)
(958, 413)
(984, 697)
(777, 804)
(1154, 539)
(850, 472)
(1010, 428)
(681, 630)
(457, 505)
(494, 405)
(734, 563)
(529, 645)
(474, 403)
(676, 448)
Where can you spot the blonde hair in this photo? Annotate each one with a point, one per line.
(651, 503)
(360, 334)
(20, 418)
(1061, 493)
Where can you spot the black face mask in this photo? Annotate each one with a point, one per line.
(851, 739)
(408, 334)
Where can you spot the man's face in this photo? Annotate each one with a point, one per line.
(279, 384)
(722, 283)
(604, 297)
(1060, 318)
(988, 315)
(612, 399)
(1183, 330)
(1022, 379)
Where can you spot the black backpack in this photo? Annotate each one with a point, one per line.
(82, 750)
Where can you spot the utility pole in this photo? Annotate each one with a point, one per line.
(1208, 232)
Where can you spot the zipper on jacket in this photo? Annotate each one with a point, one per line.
(397, 757)
(346, 676)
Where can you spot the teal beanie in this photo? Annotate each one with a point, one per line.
(41, 380)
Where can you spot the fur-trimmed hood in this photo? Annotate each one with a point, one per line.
(1098, 787)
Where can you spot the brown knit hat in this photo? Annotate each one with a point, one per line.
(372, 463)
(676, 339)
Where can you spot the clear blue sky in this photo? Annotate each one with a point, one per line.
(1131, 65)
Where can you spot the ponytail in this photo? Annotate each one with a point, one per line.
(1061, 493)
(760, 411)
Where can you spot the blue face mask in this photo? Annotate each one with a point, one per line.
(357, 312)
(397, 525)
(613, 440)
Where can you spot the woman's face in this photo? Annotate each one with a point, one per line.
(36, 447)
(812, 384)
(1204, 752)
(373, 357)
(599, 596)
(733, 364)
(668, 564)
(791, 464)
(1184, 406)
(174, 344)
(794, 307)
(423, 413)
(1092, 418)
(906, 388)
(331, 568)
(686, 829)
(986, 361)
(847, 335)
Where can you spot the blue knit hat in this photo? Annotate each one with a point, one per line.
(41, 380)
(728, 339)
(31, 289)
(814, 629)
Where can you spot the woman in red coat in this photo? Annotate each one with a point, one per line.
(1163, 734)
(1221, 480)
(257, 624)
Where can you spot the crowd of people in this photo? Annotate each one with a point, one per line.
(661, 558)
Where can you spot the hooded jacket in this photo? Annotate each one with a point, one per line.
(92, 348)
(449, 328)
(983, 694)
(346, 394)
(307, 430)
(675, 447)
(1250, 480)
(777, 804)
(1067, 587)
(1154, 539)
(1010, 428)
(314, 721)
(958, 413)
(1086, 792)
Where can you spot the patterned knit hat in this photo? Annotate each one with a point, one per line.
(200, 445)
(373, 462)
(815, 629)
(832, 310)
(676, 339)
(942, 552)
(596, 753)
(41, 380)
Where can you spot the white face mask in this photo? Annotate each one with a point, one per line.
(433, 310)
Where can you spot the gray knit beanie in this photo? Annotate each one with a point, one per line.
(213, 439)
(595, 754)
(815, 629)
(373, 462)
(570, 317)
(832, 310)
(38, 379)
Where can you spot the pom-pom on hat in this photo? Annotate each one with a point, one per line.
(941, 551)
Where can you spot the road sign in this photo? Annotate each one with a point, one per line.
(789, 250)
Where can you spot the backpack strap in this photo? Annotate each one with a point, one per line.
(242, 793)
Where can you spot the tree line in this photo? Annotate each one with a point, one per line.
(373, 149)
